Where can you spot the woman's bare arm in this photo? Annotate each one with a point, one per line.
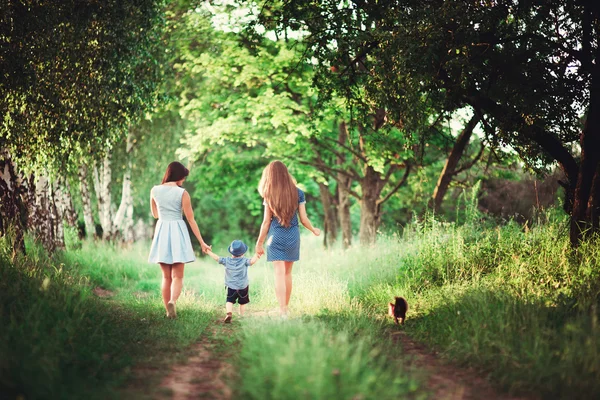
(264, 229)
(153, 208)
(186, 204)
(305, 221)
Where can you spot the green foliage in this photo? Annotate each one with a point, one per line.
(521, 66)
(75, 74)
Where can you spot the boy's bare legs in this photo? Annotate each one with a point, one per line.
(242, 308)
(229, 309)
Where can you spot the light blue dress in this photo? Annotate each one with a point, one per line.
(171, 243)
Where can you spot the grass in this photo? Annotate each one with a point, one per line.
(513, 302)
(58, 340)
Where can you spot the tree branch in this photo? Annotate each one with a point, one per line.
(547, 141)
(471, 163)
(395, 188)
(354, 175)
(351, 150)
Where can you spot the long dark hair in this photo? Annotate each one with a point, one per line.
(175, 172)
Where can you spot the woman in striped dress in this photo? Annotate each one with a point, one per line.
(284, 205)
(171, 245)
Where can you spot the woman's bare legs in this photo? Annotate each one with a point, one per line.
(177, 281)
(288, 282)
(283, 284)
(280, 285)
(166, 283)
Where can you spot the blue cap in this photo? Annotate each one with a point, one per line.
(237, 248)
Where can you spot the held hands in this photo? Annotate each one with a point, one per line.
(259, 250)
(205, 248)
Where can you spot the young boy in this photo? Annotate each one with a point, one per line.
(236, 276)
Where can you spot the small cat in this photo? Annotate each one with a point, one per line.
(398, 309)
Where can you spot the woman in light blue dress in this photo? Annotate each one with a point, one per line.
(171, 245)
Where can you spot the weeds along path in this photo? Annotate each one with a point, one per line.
(205, 373)
(446, 381)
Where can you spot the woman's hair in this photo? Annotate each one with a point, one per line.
(175, 172)
(278, 188)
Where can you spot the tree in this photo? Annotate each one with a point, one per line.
(530, 69)
(74, 76)
(262, 96)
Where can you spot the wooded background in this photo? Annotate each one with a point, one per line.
(383, 111)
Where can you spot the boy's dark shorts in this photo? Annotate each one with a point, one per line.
(241, 295)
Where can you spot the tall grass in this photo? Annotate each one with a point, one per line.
(301, 359)
(514, 301)
(58, 340)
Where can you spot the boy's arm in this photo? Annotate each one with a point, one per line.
(254, 259)
(213, 255)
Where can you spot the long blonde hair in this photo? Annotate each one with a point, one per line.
(278, 188)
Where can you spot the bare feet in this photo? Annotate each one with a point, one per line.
(171, 313)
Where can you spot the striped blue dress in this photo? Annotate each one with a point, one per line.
(283, 244)
(171, 243)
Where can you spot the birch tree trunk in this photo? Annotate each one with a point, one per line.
(13, 202)
(41, 218)
(57, 207)
(88, 216)
(123, 221)
(102, 180)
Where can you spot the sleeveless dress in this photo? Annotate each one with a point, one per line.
(171, 243)
(283, 244)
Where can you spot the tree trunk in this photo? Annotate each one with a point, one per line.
(594, 203)
(88, 216)
(329, 211)
(65, 201)
(123, 221)
(42, 216)
(590, 159)
(369, 207)
(57, 208)
(451, 163)
(102, 180)
(344, 184)
(13, 203)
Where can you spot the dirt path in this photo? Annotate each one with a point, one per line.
(446, 381)
(204, 375)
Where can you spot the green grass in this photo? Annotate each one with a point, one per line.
(58, 340)
(513, 302)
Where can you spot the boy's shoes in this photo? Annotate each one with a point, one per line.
(227, 319)
(171, 313)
